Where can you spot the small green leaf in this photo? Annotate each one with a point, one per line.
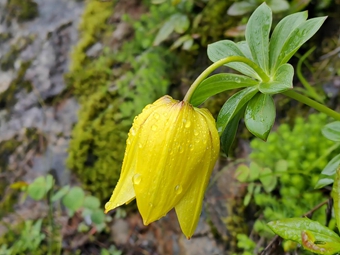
(336, 197)
(60, 193)
(91, 202)
(164, 32)
(218, 83)
(227, 48)
(244, 48)
(242, 173)
(98, 216)
(240, 8)
(260, 115)
(37, 189)
(281, 33)
(229, 133)
(74, 199)
(297, 38)
(49, 182)
(282, 81)
(313, 244)
(332, 131)
(181, 22)
(257, 35)
(255, 170)
(232, 106)
(328, 173)
(268, 179)
(292, 228)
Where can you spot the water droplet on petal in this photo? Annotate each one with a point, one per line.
(156, 115)
(150, 204)
(107, 204)
(136, 179)
(191, 147)
(181, 149)
(178, 189)
(133, 131)
(128, 141)
(196, 133)
(187, 124)
(154, 127)
(140, 145)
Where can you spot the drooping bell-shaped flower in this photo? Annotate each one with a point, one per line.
(171, 150)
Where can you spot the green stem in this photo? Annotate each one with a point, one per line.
(312, 103)
(304, 82)
(220, 63)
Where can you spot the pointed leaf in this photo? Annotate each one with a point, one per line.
(164, 32)
(297, 38)
(336, 197)
(332, 131)
(282, 81)
(292, 228)
(260, 115)
(281, 33)
(232, 106)
(230, 131)
(268, 179)
(328, 173)
(311, 243)
(244, 48)
(181, 22)
(257, 35)
(218, 83)
(227, 48)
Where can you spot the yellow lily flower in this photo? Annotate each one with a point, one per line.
(171, 150)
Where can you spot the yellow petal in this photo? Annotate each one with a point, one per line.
(124, 192)
(189, 208)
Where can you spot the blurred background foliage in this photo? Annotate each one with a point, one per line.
(128, 54)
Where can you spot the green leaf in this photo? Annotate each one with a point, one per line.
(227, 48)
(268, 179)
(164, 32)
(282, 81)
(229, 133)
(297, 38)
(232, 106)
(242, 173)
(91, 202)
(255, 170)
(280, 35)
(260, 115)
(37, 189)
(292, 228)
(278, 5)
(336, 197)
(181, 22)
(328, 173)
(240, 8)
(257, 35)
(60, 193)
(218, 83)
(244, 48)
(332, 131)
(98, 216)
(49, 182)
(74, 199)
(311, 243)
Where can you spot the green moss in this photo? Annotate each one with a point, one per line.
(7, 98)
(22, 10)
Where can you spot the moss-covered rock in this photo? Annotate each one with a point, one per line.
(22, 10)
(112, 90)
